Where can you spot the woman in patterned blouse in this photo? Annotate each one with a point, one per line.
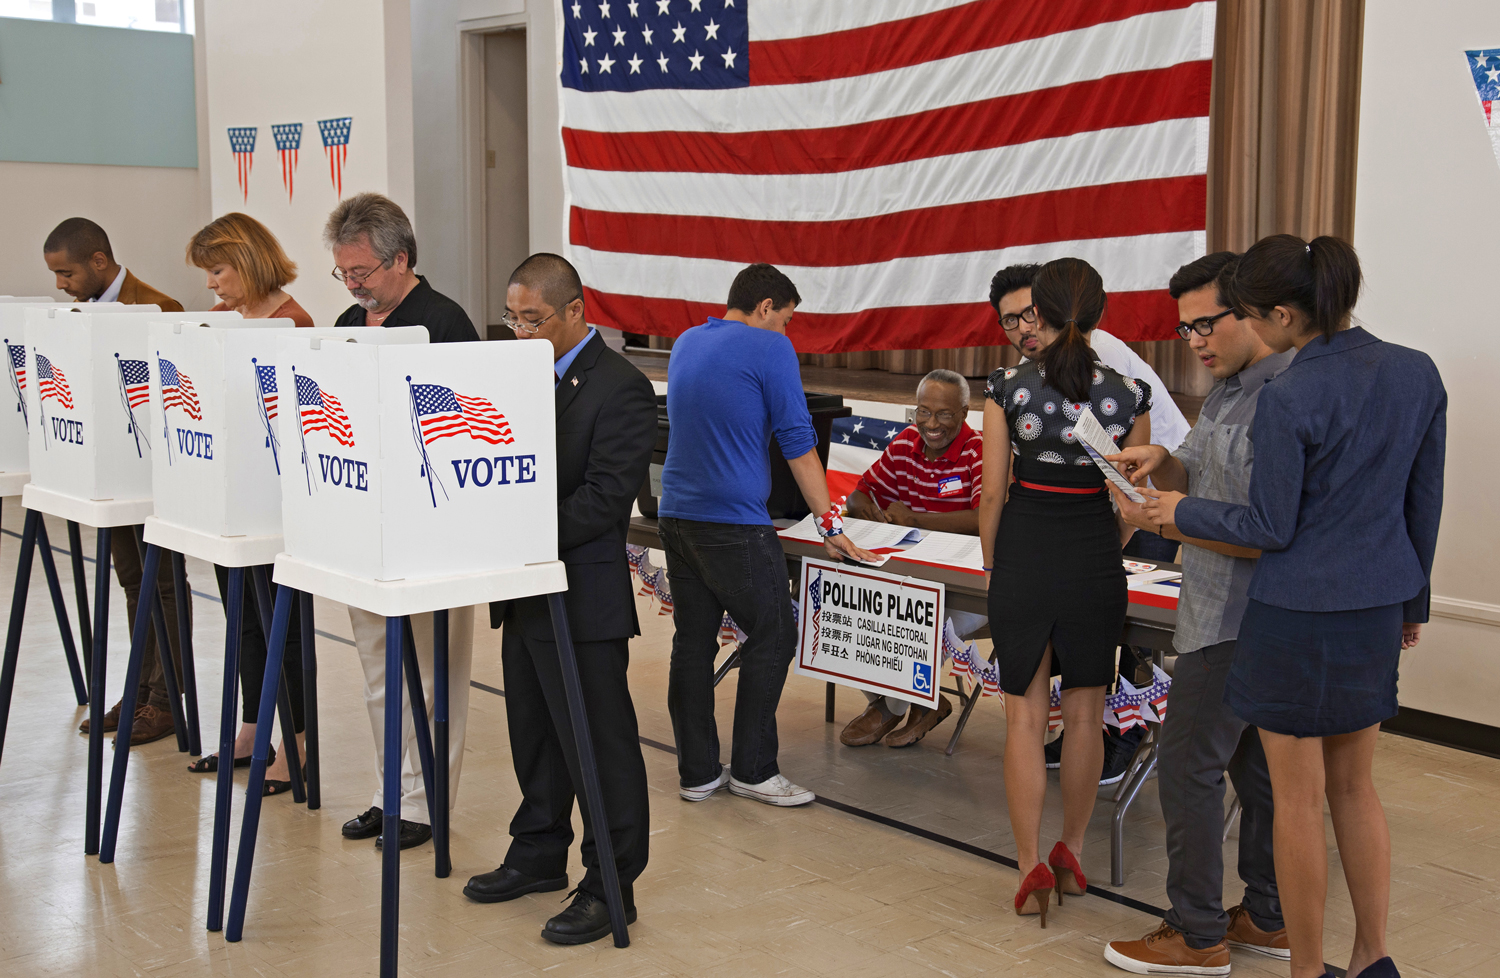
(1052, 557)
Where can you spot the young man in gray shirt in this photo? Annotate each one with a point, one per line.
(1201, 738)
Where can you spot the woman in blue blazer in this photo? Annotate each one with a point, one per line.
(1344, 504)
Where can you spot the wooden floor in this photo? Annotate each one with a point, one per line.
(888, 877)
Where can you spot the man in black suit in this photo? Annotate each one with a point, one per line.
(606, 428)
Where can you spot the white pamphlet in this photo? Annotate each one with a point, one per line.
(862, 533)
(1097, 442)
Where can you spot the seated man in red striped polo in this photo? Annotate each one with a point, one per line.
(928, 477)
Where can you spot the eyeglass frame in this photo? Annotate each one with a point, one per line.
(917, 413)
(1203, 326)
(519, 326)
(343, 277)
(1020, 317)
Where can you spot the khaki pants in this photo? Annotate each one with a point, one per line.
(369, 639)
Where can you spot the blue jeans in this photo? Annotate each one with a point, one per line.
(741, 569)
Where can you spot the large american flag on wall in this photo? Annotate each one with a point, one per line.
(888, 156)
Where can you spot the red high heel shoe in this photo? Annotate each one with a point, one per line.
(1035, 893)
(1070, 878)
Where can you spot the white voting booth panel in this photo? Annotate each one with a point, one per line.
(216, 452)
(86, 396)
(418, 462)
(13, 408)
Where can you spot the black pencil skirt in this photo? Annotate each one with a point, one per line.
(1057, 578)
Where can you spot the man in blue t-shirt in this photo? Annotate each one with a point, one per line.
(732, 384)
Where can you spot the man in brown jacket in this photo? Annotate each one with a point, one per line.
(78, 253)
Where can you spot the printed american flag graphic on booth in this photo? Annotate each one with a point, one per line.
(51, 384)
(177, 390)
(321, 411)
(889, 157)
(443, 413)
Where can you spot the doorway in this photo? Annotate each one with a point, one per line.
(507, 193)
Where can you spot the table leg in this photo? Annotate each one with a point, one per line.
(591, 791)
(17, 618)
(158, 620)
(440, 741)
(81, 596)
(239, 894)
(390, 876)
(418, 712)
(60, 609)
(263, 600)
(96, 690)
(234, 611)
(1117, 823)
(150, 565)
(310, 701)
(185, 642)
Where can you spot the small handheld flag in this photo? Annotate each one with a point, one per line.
(288, 136)
(335, 134)
(242, 145)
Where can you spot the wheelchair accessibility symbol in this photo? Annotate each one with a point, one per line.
(921, 678)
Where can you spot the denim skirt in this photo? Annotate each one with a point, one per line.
(1315, 673)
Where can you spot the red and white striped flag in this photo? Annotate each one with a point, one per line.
(888, 156)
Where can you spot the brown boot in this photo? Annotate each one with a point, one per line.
(919, 720)
(111, 721)
(869, 726)
(149, 724)
(1164, 951)
(1244, 934)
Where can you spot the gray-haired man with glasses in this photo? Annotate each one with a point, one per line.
(374, 252)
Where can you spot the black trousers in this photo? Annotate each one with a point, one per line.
(126, 555)
(253, 651)
(1201, 739)
(546, 759)
(741, 569)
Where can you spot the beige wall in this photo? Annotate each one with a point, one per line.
(148, 212)
(1427, 204)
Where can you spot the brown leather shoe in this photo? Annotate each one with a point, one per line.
(869, 726)
(1164, 952)
(919, 720)
(149, 724)
(111, 721)
(1244, 934)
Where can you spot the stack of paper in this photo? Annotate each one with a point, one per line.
(956, 550)
(868, 534)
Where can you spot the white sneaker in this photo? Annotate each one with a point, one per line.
(775, 790)
(705, 791)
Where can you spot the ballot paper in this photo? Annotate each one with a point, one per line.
(867, 534)
(1097, 442)
(947, 550)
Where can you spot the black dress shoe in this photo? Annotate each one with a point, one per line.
(507, 884)
(586, 920)
(412, 834)
(364, 826)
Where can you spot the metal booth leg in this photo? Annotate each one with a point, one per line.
(593, 794)
(17, 618)
(60, 609)
(440, 742)
(234, 612)
(81, 596)
(390, 874)
(261, 577)
(151, 564)
(239, 894)
(96, 690)
(185, 642)
(310, 700)
(418, 712)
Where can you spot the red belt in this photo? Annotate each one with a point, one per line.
(1069, 490)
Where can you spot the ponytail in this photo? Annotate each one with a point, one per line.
(1069, 295)
(1320, 278)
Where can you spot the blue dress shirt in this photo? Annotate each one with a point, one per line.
(566, 360)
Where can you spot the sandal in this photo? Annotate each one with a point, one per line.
(210, 764)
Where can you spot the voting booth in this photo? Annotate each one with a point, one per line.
(86, 395)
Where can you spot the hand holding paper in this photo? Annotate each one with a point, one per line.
(1160, 507)
(1097, 442)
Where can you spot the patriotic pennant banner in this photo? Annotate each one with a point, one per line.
(242, 145)
(335, 134)
(288, 136)
(1485, 67)
(888, 156)
(134, 377)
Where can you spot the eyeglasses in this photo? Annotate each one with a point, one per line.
(1012, 322)
(922, 416)
(519, 326)
(1203, 327)
(358, 276)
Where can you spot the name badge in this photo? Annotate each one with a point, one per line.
(951, 486)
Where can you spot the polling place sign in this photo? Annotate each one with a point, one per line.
(878, 632)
